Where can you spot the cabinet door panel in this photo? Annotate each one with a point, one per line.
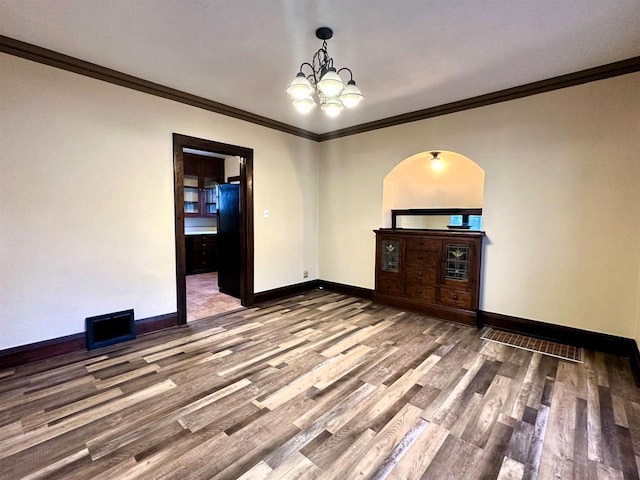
(390, 256)
(459, 266)
(389, 286)
(201, 175)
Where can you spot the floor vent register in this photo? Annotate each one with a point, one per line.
(545, 347)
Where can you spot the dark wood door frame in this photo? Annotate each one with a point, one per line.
(247, 297)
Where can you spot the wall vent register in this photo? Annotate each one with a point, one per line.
(110, 328)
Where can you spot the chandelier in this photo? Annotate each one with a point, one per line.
(323, 85)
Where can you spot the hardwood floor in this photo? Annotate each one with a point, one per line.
(319, 386)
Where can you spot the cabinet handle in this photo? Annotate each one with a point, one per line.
(420, 274)
(419, 290)
(455, 297)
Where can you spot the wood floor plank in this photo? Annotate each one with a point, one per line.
(384, 442)
(479, 429)
(41, 418)
(356, 450)
(456, 458)
(510, 470)
(560, 437)
(420, 454)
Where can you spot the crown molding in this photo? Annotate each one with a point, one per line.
(72, 64)
(615, 69)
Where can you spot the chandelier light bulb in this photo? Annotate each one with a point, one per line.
(304, 105)
(300, 87)
(331, 84)
(332, 107)
(351, 95)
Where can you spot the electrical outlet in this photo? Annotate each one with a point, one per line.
(305, 274)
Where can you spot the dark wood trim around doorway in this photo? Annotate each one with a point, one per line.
(246, 216)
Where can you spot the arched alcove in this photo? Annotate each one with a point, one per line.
(415, 183)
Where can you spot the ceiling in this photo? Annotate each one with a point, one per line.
(406, 55)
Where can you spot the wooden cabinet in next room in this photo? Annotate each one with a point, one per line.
(433, 271)
(201, 176)
(200, 253)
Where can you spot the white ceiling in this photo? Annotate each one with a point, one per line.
(406, 55)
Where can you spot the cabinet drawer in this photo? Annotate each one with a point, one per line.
(206, 245)
(422, 243)
(422, 258)
(455, 298)
(203, 242)
(420, 292)
(421, 275)
(389, 286)
(201, 255)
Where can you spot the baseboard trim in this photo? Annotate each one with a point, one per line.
(33, 352)
(634, 360)
(287, 291)
(296, 289)
(153, 324)
(345, 289)
(576, 337)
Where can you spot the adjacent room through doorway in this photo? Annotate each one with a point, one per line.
(211, 184)
(214, 234)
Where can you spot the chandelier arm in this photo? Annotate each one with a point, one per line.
(348, 70)
(308, 65)
(312, 76)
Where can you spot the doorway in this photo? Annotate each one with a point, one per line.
(245, 212)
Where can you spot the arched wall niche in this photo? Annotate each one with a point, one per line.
(414, 183)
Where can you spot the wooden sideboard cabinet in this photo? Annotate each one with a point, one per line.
(436, 272)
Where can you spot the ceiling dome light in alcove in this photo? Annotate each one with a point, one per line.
(323, 84)
(437, 163)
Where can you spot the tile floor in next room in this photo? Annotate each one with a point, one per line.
(204, 299)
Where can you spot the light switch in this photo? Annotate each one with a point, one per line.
(266, 214)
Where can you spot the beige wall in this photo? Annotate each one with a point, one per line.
(86, 200)
(562, 180)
